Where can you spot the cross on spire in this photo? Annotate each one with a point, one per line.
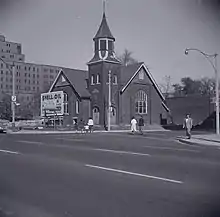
(104, 2)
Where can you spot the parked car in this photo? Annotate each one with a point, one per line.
(3, 126)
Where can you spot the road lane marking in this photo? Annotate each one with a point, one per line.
(121, 152)
(134, 174)
(9, 152)
(30, 142)
(168, 148)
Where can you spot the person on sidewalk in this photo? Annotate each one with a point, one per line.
(90, 124)
(141, 124)
(187, 124)
(133, 125)
(81, 126)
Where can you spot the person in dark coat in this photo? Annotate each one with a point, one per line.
(141, 124)
(81, 126)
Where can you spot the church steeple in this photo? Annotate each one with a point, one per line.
(104, 43)
(104, 31)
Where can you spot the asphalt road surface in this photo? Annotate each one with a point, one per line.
(107, 175)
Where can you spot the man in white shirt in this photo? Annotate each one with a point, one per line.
(133, 125)
(90, 124)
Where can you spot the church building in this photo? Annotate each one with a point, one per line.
(133, 90)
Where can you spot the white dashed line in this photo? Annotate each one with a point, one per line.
(135, 174)
(8, 152)
(121, 152)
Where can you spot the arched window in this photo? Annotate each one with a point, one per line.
(77, 106)
(115, 79)
(92, 80)
(141, 102)
(65, 104)
(98, 79)
(141, 74)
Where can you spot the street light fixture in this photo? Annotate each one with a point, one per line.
(13, 97)
(210, 58)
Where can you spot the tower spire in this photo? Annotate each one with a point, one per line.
(104, 2)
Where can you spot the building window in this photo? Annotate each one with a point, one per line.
(65, 104)
(92, 80)
(141, 75)
(115, 79)
(2, 72)
(110, 45)
(77, 106)
(141, 102)
(102, 44)
(98, 79)
(2, 65)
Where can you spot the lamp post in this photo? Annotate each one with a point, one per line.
(13, 97)
(109, 100)
(210, 58)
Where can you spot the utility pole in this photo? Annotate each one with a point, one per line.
(109, 100)
(217, 95)
(13, 99)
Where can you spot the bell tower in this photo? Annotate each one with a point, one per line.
(104, 61)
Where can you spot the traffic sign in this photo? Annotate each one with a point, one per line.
(13, 98)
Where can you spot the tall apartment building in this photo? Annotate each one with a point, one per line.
(30, 78)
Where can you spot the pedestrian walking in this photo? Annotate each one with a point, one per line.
(133, 125)
(81, 125)
(90, 124)
(141, 124)
(188, 124)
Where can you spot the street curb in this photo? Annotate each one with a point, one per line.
(188, 142)
(74, 132)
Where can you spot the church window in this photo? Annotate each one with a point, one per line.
(98, 79)
(141, 102)
(96, 45)
(102, 44)
(92, 80)
(110, 45)
(115, 79)
(65, 104)
(77, 106)
(141, 75)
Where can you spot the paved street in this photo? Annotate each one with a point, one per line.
(107, 175)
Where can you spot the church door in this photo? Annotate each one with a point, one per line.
(95, 113)
(113, 116)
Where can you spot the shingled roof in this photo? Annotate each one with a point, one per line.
(128, 71)
(104, 31)
(77, 78)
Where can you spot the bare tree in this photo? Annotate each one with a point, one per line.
(126, 58)
(166, 86)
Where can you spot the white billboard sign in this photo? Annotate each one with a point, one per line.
(52, 103)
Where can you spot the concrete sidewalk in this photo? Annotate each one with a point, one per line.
(206, 139)
(75, 132)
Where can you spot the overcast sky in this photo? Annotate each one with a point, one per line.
(60, 32)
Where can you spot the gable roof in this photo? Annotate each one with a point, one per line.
(129, 72)
(104, 31)
(77, 78)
